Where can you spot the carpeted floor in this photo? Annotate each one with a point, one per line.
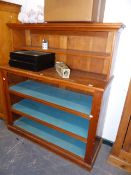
(19, 156)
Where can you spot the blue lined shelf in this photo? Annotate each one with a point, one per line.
(72, 100)
(66, 142)
(59, 118)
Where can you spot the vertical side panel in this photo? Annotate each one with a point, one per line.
(97, 98)
(27, 38)
(6, 98)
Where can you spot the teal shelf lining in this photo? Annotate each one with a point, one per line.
(64, 141)
(65, 98)
(56, 117)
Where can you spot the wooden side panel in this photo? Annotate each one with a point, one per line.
(121, 151)
(5, 97)
(6, 100)
(123, 124)
(127, 142)
(9, 7)
(8, 13)
(110, 42)
(96, 104)
(2, 109)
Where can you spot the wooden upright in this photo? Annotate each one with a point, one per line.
(8, 13)
(88, 49)
(121, 152)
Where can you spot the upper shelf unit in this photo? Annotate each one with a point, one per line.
(82, 46)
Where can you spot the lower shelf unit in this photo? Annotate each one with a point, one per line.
(44, 114)
(59, 119)
(66, 142)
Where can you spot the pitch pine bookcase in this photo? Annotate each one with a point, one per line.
(61, 114)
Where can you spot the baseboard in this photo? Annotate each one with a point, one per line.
(108, 142)
(118, 162)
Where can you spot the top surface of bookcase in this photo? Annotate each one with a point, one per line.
(79, 26)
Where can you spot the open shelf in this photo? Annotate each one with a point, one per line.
(66, 142)
(65, 98)
(99, 55)
(52, 116)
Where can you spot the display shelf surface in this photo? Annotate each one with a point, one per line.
(61, 119)
(66, 142)
(79, 80)
(72, 100)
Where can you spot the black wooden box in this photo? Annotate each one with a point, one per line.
(32, 60)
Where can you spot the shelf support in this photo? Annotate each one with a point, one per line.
(6, 98)
(28, 37)
(91, 140)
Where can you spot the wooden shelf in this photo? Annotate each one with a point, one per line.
(82, 53)
(66, 142)
(67, 123)
(76, 103)
(79, 80)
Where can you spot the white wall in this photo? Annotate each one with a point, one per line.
(118, 11)
(15, 1)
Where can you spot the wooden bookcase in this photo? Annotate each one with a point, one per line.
(61, 114)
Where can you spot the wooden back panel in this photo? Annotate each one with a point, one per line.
(82, 46)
